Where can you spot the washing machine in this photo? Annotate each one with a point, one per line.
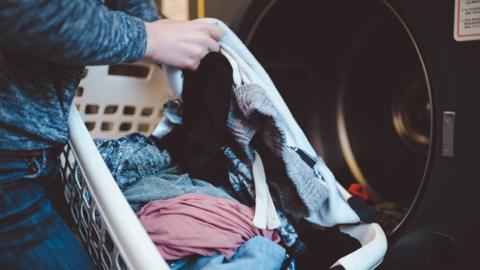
(389, 94)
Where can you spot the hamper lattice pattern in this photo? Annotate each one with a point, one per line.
(91, 228)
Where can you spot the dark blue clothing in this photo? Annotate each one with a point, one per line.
(32, 235)
(44, 46)
(146, 173)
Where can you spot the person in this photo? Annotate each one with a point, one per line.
(44, 47)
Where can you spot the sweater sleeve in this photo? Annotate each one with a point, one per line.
(73, 32)
(143, 9)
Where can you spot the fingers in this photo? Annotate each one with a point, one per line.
(193, 66)
(213, 45)
(215, 32)
(191, 41)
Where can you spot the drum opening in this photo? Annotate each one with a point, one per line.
(353, 77)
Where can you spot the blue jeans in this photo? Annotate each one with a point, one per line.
(32, 235)
(257, 253)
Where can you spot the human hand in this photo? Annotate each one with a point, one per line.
(181, 44)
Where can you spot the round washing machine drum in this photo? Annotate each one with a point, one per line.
(357, 86)
(390, 98)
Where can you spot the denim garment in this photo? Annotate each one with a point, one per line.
(32, 235)
(44, 47)
(145, 173)
(257, 253)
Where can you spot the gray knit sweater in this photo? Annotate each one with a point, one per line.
(44, 45)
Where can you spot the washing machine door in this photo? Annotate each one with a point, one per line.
(357, 86)
(383, 91)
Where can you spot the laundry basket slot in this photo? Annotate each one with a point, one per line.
(119, 99)
(138, 71)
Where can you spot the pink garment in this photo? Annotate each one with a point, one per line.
(199, 224)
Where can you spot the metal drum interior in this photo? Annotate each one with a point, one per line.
(354, 79)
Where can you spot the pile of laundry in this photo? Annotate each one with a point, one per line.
(228, 180)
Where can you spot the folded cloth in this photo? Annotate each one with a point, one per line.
(246, 70)
(168, 186)
(257, 253)
(146, 173)
(199, 224)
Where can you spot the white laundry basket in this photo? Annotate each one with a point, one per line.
(114, 101)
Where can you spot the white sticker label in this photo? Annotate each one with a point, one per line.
(467, 20)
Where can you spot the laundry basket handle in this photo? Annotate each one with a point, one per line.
(135, 246)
